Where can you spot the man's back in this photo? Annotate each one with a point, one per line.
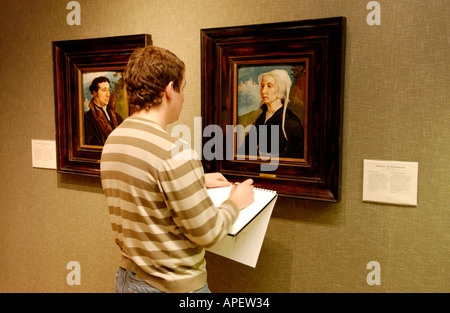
(161, 214)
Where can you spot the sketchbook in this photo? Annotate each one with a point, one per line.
(262, 199)
(245, 238)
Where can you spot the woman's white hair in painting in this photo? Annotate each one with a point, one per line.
(284, 87)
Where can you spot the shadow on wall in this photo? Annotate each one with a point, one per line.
(274, 271)
(309, 211)
(80, 183)
(227, 276)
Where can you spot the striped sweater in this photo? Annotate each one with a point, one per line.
(161, 215)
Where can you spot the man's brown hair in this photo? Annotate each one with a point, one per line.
(148, 72)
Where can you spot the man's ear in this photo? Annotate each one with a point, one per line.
(169, 90)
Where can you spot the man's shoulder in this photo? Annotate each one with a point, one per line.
(135, 133)
(182, 150)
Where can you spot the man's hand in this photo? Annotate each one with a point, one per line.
(213, 180)
(242, 194)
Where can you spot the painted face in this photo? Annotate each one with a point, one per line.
(101, 96)
(268, 89)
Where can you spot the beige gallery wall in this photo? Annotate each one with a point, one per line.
(396, 107)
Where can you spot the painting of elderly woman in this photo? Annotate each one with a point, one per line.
(271, 107)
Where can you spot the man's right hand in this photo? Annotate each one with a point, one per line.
(242, 194)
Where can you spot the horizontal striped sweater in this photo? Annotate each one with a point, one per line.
(161, 214)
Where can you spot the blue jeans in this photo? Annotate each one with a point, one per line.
(128, 282)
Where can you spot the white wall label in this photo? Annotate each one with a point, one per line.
(390, 182)
(44, 153)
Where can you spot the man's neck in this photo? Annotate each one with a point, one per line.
(154, 114)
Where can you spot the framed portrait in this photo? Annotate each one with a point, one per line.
(274, 94)
(90, 97)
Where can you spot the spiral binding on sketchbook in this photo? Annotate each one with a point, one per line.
(263, 189)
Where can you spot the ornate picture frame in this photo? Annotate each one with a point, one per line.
(76, 64)
(306, 59)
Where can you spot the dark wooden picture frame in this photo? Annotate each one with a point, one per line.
(72, 60)
(316, 48)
